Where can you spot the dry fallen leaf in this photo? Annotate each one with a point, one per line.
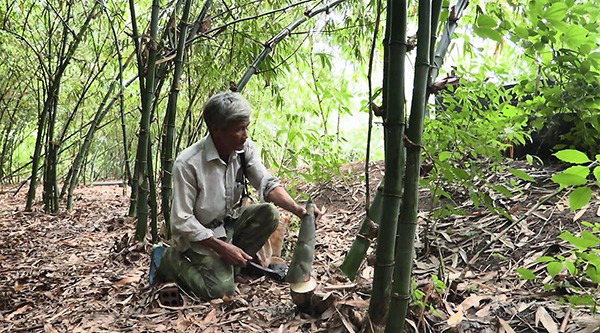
(580, 213)
(505, 326)
(127, 280)
(48, 328)
(455, 319)
(210, 317)
(18, 311)
(542, 315)
(483, 312)
(471, 301)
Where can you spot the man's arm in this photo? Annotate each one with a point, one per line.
(229, 252)
(281, 198)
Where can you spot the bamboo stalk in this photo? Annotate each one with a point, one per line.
(446, 38)
(141, 79)
(395, 157)
(407, 222)
(144, 134)
(152, 197)
(122, 67)
(169, 123)
(366, 233)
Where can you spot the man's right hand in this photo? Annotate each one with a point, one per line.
(230, 253)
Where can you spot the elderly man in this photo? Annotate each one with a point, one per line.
(212, 235)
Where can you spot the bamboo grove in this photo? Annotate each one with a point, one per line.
(96, 90)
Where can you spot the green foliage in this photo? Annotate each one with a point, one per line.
(572, 156)
(581, 263)
(574, 269)
(557, 40)
(420, 297)
(469, 137)
(576, 177)
(521, 174)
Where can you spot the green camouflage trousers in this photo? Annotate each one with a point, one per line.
(207, 275)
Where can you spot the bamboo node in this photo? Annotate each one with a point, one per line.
(387, 264)
(389, 194)
(400, 297)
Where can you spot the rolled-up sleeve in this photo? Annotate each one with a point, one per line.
(185, 226)
(258, 175)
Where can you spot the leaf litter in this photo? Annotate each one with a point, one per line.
(81, 271)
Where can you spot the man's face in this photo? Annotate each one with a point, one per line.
(231, 137)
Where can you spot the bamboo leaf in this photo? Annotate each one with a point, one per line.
(486, 22)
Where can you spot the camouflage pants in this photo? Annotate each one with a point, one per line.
(207, 275)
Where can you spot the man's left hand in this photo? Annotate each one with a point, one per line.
(301, 211)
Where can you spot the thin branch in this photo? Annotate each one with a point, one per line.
(370, 103)
(269, 45)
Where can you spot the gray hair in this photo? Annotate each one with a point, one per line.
(224, 108)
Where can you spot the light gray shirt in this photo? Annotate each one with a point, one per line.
(205, 189)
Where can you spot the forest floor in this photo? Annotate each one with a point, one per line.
(81, 271)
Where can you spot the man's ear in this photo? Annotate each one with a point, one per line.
(214, 129)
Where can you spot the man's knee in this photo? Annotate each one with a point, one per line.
(269, 214)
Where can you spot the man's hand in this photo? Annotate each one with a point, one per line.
(300, 211)
(281, 198)
(230, 253)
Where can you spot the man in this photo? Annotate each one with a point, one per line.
(212, 235)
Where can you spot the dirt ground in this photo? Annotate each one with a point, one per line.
(81, 271)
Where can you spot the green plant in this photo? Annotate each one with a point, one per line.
(577, 270)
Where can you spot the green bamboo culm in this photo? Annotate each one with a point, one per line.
(73, 176)
(395, 158)
(167, 154)
(144, 136)
(366, 234)
(152, 202)
(407, 223)
(141, 79)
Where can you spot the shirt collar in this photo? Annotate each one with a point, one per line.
(211, 150)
